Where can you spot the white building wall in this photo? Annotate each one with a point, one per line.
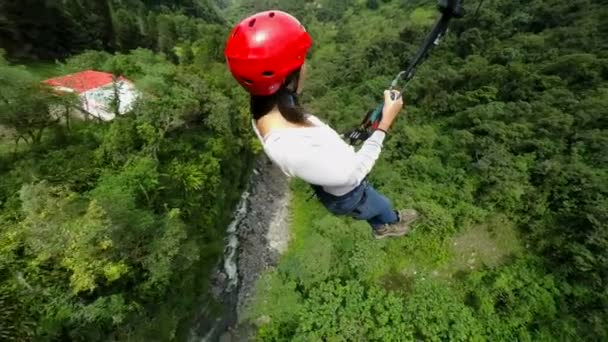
(97, 101)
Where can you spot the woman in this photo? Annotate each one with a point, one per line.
(266, 54)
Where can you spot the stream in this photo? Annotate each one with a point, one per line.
(255, 239)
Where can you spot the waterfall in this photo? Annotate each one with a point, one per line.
(230, 252)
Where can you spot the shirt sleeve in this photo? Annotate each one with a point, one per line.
(338, 165)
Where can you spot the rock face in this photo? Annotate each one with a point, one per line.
(264, 232)
(255, 240)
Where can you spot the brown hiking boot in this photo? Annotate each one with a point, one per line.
(406, 218)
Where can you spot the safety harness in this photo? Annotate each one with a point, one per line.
(449, 9)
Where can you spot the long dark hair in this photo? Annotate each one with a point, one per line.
(285, 99)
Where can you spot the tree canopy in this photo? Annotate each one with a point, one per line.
(108, 231)
(505, 120)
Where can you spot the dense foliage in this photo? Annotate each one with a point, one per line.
(108, 231)
(506, 127)
(58, 28)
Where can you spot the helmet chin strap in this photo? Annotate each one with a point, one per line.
(294, 81)
(293, 99)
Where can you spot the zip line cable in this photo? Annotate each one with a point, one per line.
(449, 9)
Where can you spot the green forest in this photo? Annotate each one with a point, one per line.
(109, 230)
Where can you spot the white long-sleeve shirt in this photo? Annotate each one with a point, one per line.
(319, 156)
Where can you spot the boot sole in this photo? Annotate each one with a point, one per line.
(388, 235)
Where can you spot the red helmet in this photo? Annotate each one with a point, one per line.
(264, 49)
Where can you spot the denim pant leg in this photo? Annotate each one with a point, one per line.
(376, 209)
(363, 203)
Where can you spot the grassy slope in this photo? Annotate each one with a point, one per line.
(42, 69)
(424, 253)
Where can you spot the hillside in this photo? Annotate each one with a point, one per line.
(503, 148)
(110, 231)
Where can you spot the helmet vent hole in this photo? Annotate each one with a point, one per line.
(271, 14)
(268, 73)
(252, 23)
(248, 82)
(236, 31)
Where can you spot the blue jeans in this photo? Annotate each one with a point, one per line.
(362, 203)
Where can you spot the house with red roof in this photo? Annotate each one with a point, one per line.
(97, 91)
